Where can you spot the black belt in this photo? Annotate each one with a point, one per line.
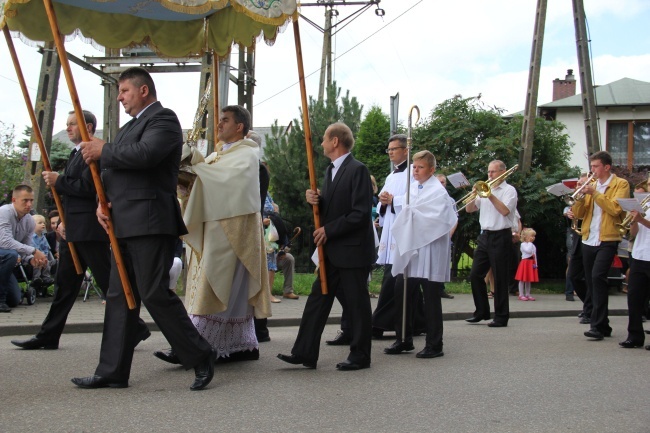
(495, 231)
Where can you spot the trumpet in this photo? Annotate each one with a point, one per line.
(578, 195)
(624, 226)
(483, 189)
(576, 225)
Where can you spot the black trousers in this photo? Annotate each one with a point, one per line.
(493, 251)
(432, 309)
(353, 283)
(638, 289)
(97, 256)
(147, 260)
(383, 318)
(597, 261)
(576, 274)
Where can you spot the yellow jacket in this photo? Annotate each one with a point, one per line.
(612, 212)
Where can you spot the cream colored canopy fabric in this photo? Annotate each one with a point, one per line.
(172, 28)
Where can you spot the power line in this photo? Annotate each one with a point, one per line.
(341, 55)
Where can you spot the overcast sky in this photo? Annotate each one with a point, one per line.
(427, 50)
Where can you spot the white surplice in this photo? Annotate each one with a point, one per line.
(421, 232)
(395, 184)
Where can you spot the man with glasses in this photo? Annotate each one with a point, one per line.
(494, 248)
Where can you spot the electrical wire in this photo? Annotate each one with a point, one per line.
(341, 55)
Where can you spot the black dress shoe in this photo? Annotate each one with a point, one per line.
(497, 324)
(377, 333)
(94, 382)
(429, 352)
(341, 339)
(348, 365)
(142, 335)
(581, 315)
(446, 295)
(647, 347)
(629, 344)
(35, 343)
(595, 334)
(4, 308)
(204, 372)
(585, 320)
(295, 359)
(570, 298)
(398, 347)
(476, 319)
(263, 339)
(168, 356)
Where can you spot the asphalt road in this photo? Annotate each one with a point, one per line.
(537, 375)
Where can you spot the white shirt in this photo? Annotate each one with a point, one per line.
(490, 218)
(596, 217)
(641, 248)
(337, 164)
(396, 185)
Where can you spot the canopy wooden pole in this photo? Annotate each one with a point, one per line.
(310, 151)
(39, 139)
(65, 65)
(215, 99)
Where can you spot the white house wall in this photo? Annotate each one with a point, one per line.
(573, 120)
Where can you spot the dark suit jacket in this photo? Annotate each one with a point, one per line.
(79, 202)
(345, 210)
(140, 174)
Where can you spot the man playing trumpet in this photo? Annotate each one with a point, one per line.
(494, 248)
(600, 212)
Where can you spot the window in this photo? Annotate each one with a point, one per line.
(629, 142)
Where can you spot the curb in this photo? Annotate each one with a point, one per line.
(97, 327)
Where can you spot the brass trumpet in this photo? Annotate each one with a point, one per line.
(576, 225)
(578, 195)
(483, 189)
(624, 226)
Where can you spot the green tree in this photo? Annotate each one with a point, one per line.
(287, 160)
(370, 145)
(12, 162)
(465, 136)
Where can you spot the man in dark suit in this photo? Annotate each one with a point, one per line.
(83, 230)
(346, 235)
(140, 174)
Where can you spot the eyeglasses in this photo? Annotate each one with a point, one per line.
(392, 149)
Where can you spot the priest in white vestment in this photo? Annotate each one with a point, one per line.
(228, 281)
(422, 236)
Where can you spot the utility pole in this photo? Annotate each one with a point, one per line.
(326, 61)
(330, 11)
(586, 78)
(246, 78)
(586, 84)
(44, 109)
(530, 111)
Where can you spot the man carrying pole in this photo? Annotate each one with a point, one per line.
(140, 174)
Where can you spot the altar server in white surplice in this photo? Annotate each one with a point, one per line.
(422, 235)
(391, 198)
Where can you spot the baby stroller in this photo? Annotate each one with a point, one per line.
(31, 289)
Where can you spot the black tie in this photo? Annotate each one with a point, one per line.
(329, 175)
(73, 152)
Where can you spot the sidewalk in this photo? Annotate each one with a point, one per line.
(89, 316)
